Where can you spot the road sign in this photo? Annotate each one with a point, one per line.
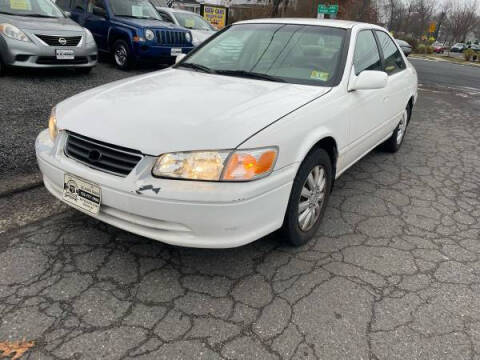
(327, 9)
(432, 28)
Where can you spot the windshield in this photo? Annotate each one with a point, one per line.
(192, 21)
(141, 9)
(291, 53)
(34, 8)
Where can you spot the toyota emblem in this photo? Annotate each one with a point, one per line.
(94, 155)
(62, 41)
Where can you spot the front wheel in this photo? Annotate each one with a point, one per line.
(122, 55)
(308, 198)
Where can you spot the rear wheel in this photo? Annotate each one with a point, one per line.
(308, 198)
(394, 143)
(3, 68)
(122, 55)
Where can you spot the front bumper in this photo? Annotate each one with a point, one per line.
(184, 213)
(147, 51)
(36, 55)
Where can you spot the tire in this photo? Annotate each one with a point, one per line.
(394, 143)
(3, 68)
(122, 55)
(296, 228)
(84, 70)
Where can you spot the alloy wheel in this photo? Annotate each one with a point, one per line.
(402, 127)
(121, 55)
(311, 198)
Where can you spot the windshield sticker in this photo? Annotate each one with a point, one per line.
(189, 23)
(20, 5)
(319, 75)
(137, 10)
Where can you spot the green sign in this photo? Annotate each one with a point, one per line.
(328, 9)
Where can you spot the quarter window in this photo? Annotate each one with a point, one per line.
(366, 55)
(393, 58)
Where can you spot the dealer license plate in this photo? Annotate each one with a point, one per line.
(176, 51)
(65, 54)
(82, 194)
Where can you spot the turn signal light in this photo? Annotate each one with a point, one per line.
(250, 164)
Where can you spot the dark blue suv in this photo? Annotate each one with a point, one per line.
(131, 30)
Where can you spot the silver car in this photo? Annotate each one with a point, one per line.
(36, 33)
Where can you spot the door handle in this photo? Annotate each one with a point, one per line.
(385, 99)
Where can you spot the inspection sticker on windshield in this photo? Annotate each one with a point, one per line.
(20, 5)
(82, 194)
(319, 75)
(65, 54)
(176, 51)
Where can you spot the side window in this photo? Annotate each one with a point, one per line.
(96, 3)
(393, 58)
(78, 5)
(366, 56)
(165, 17)
(63, 4)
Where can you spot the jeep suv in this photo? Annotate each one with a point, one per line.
(130, 30)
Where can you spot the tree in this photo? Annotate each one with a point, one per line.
(462, 19)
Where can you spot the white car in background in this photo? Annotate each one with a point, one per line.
(200, 28)
(222, 149)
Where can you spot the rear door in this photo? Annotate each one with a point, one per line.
(98, 25)
(397, 91)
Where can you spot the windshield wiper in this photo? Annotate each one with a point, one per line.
(197, 67)
(138, 17)
(251, 75)
(9, 13)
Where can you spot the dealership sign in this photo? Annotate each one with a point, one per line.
(215, 15)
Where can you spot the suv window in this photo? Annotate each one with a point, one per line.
(78, 4)
(366, 56)
(393, 58)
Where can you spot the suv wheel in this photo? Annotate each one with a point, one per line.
(394, 143)
(122, 55)
(308, 198)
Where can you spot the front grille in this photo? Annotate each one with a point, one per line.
(52, 60)
(99, 155)
(172, 37)
(54, 40)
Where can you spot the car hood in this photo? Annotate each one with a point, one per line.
(146, 23)
(181, 110)
(44, 24)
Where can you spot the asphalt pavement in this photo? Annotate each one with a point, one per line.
(393, 273)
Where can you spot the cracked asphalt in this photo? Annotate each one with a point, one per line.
(393, 273)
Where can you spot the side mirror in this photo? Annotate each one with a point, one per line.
(67, 14)
(179, 58)
(368, 80)
(98, 11)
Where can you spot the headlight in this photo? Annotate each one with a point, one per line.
(241, 165)
(13, 32)
(149, 35)
(89, 37)
(188, 37)
(52, 125)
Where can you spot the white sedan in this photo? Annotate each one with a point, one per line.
(227, 147)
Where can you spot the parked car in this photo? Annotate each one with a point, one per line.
(458, 47)
(439, 48)
(131, 30)
(475, 47)
(243, 145)
(37, 34)
(405, 46)
(200, 28)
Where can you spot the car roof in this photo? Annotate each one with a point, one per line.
(308, 21)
